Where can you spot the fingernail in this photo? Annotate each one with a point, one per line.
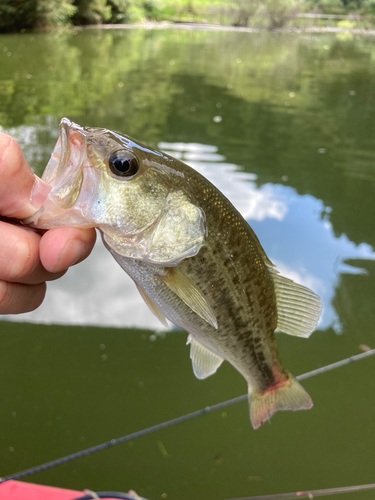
(72, 252)
(39, 192)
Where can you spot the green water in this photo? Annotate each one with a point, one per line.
(285, 125)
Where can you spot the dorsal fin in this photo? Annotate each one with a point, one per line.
(205, 362)
(298, 308)
(189, 292)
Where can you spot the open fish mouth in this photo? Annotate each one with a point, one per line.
(64, 167)
(65, 174)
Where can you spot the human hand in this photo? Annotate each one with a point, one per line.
(27, 258)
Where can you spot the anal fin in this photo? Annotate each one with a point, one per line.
(152, 306)
(286, 395)
(205, 362)
(188, 291)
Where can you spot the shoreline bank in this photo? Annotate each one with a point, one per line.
(217, 27)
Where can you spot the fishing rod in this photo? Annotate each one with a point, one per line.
(310, 494)
(278, 496)
(175, 421)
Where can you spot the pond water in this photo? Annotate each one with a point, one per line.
(284, 125)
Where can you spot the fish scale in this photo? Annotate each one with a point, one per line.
(193, 257)
(234, 334)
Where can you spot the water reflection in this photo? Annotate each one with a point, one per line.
(294, 150)
(253, 203)
(28, 136)
(294, 229)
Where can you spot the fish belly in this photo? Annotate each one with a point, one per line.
(246, 322)
(244, 306)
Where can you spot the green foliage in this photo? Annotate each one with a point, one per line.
(55, 12)
(130, 11)
(120, 11)
(279, 12)
(26, 14)
(91, 12)
(240, 11)
(368, 6)
(327, 6)
(151, 9)
(343, 6)
(16, 15)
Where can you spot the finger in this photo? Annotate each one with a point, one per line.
(16, 298)
(61, 248)
(21, 191)
(19, 256)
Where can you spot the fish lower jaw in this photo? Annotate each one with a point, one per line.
(51, 215)
(33, 220)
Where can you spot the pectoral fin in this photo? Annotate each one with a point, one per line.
(205, 362)
(298, 308)
(188, 291)
(152, 306)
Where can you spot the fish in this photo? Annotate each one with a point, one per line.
(194, 259)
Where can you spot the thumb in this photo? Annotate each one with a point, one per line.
(21, 191)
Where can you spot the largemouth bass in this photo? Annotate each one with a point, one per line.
(192, 256)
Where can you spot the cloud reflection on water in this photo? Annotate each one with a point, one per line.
(254, 203)
(290, 227)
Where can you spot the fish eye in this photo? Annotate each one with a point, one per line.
(123, 164)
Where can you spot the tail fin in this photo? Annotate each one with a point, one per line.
(286, 395)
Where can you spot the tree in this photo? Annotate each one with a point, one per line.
(91, 12)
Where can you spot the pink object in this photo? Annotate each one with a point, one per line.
(16, 490)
